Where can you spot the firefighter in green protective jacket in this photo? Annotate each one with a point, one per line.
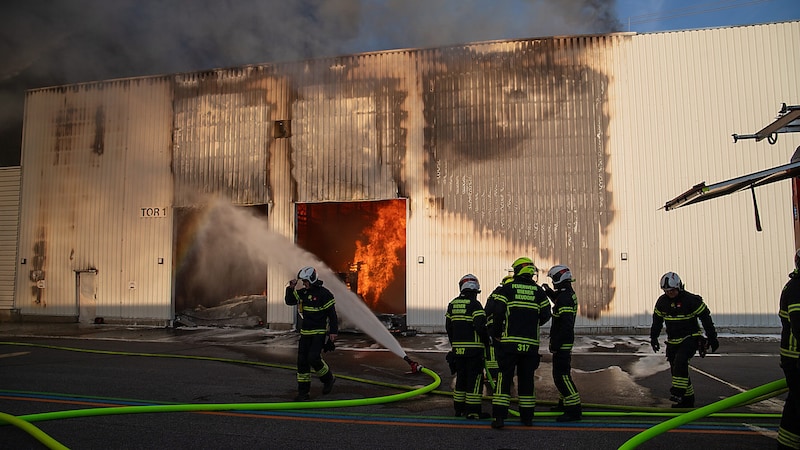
(562, 338)
(465, 323)
(789, 312)
(318, 330)
(520, 309)
(680, 310)
(492, 368)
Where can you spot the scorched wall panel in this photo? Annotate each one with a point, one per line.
(81, 170)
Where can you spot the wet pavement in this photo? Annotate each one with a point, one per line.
(46, 366)
(608, 370)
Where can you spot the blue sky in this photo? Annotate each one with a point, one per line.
(662, 15)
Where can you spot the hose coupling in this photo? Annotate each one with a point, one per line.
(415, 366)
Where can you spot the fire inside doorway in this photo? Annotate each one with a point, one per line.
(365, 243)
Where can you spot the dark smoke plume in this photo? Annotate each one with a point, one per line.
(70, 41)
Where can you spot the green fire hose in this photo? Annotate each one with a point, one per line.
(678, 418)
(699, 413)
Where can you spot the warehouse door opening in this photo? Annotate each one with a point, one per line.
(363, 242)
(217, 280)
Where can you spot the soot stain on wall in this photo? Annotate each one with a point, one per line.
(516, 143)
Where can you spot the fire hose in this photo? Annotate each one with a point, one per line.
(677, 418)
(24, 422)
(699, 413)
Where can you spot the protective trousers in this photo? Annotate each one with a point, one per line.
(562, 377)
(492, 367)
(525, 365)
(309, 356)
(678, 356)
(789, 429)
(468, 394)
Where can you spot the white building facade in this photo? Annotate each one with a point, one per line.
(560, 149)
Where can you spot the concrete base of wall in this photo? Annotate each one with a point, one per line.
(29, 318)
(626, 331)
(9, 315)
(645, 331)
(137, 322)
(14, 316)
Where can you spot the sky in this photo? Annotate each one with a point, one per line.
(56, 42)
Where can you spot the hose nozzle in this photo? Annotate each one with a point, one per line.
(415, 366)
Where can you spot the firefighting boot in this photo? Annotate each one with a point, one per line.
(499, 413)
(526, 416)
(327, 383)
(559, 406)
(459, 408)
(686, 401)
(498, 423)
(303, 389)
(676, 394)
(571, 414)
(474, 413)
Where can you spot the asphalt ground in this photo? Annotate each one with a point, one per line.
(623, 384)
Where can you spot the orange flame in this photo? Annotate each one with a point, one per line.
(379, 252)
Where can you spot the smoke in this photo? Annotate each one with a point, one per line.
(426, 23)
(70, 41)
(231, 251)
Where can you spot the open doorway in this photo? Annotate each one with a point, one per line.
(217, 282)
(365, 243)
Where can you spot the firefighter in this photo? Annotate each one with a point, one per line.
(492, 368)
(789, 312)
(465, 323)
(681, 309)
(319, 327)
(520, 309)
(562, 338)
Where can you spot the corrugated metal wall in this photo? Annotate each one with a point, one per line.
(560, 149)
(97, 196)
(9, 221)
(346, 121)
(222, 129)
(676, 100)
(515, 163)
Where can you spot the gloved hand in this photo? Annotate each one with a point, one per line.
(714, 344)
(451, 362)
(329, 346)
(549, 291)
(654, 343)
(702, 346)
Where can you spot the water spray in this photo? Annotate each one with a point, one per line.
(262, 247)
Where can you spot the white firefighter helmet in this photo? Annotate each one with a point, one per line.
(560, 274)
(671, 280)
(308, 274)
(469, 282)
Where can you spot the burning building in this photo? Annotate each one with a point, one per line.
(403, 170)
